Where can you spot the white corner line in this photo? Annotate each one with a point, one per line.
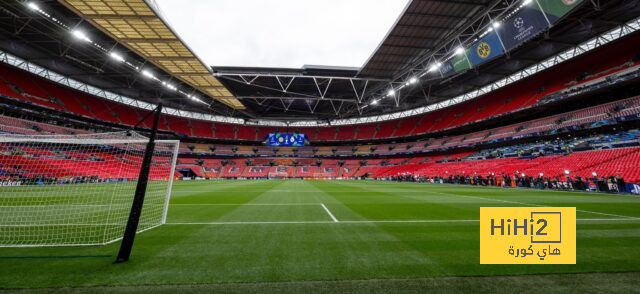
(335, 220)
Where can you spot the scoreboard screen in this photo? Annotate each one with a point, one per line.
(286, 140)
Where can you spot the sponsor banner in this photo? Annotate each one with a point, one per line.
(628, 117)
(633, 188)
(456, 65)
(527, 235)
(556, 9)
(447, 69)
(461, 62)
(485, 49)
(10, 183)
(522, 27)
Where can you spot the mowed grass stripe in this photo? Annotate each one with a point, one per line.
(383, 205)
(297, 191)
(584, 202)
(221, 194)
(431, 196)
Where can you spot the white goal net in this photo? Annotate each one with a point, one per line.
(69, 190)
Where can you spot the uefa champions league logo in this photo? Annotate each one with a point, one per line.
(518, 23)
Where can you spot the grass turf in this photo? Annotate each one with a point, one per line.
(390, 236)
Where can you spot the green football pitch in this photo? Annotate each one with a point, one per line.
(338, 236)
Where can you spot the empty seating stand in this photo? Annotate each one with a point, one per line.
(21, 85)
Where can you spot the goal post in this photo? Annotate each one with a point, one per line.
(278, 175)
(74, 190)
(321, 175)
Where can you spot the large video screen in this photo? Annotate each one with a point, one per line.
(286, 140)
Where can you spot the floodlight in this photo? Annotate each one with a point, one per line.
(391, 92)
(80, 35)
(116, 56)
(459, 50)
(147, 74)
(33, 6)
(435, 66)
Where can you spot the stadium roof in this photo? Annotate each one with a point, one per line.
(136, 25)
(308, 93)
(423, 26)
(427, 30)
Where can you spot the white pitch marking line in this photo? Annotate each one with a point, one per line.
(323, 222)
(391, 189)
(246, 204)
(252, 223)
(335, 220)
(379, 221)
(533, 204)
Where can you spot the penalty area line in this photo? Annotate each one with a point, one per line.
(335, 220)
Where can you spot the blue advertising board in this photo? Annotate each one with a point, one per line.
(286, 140)
(485, 49)
(628, 117)
(632, 188)
(522, 27)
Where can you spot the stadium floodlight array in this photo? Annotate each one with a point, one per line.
(71, 190)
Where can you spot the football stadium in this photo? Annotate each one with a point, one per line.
(472, 146)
